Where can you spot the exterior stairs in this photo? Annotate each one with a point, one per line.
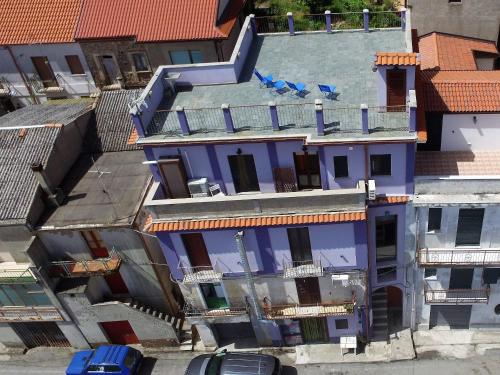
(380, 321)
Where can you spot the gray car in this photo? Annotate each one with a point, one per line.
(225, 363)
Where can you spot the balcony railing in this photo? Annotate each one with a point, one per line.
(12, 273)
(29, 314)
(307, 268)
(308, 311)
(191, 311)
(82, 268)
(456, 296)
(194, 275)
(458, 257)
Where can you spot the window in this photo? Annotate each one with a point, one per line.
(214, 296)
(491, 275)
(434, 222)
(307, 170)
(340, 166)
(386, 233)
(470, 225)
(244, 173)
(75, 66)
(140, 62)
(380, 165)
(341, 324)
(186, 57)
(430, 273)
(497, 309)
(386, 274)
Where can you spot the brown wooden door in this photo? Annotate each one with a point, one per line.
(396, 90)
(174, 177)
(120, 332)
(307, 170)
(308, 290)
(196, 250)
(44, 70)
(300, 245)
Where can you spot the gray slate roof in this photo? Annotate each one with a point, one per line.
(112, 126)
(43, 114)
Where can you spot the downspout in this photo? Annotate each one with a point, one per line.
(23, 76)
(369, 250)
(248, 275)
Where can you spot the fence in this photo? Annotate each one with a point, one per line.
(310, 22)
(164, 122)
(457, 296)
(339, 120)
(205, 120)
(297, 115)
(251, 117)
(379, 20)
(458, 257)
(271, 24)
(346, 21)
(387, 118)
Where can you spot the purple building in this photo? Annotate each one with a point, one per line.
(281, 213)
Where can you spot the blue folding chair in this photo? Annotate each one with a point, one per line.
(297, 88)
(328, 90)
(279, 86)
(264, 81)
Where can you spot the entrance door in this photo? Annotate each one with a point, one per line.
(174, 178)
(307, 169)
(308, 290)
(44, 70)
(244, 173)
(110, 70)
(35, 334)
(461, 278)
(300, 245)
(453, 317)
(196, 250)
(313, 330)
(120, 332)
(396, 90)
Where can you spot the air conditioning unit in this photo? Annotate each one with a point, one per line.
(198, 187)
(372, 194)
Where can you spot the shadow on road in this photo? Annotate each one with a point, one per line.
(147, 366)
(289, 370)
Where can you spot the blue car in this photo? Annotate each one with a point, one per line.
(107, 359)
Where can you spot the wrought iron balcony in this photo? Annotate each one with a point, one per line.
(456, 296)
(458, 257)
(191, 311)
(194, 275)
(307, 268)
(29, 314)
(82, 268)
(308, 311)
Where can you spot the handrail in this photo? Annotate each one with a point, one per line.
(456, 296)
(65, 264)
(189, 310)
(426, 256)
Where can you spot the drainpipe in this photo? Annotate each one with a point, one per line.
(23, 76)
(369, 250)
(248, 275)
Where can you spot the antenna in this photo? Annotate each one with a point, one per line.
(101, 173)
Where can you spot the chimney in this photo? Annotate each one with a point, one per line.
(55, 195)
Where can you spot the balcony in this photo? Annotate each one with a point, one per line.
(458, 257)
(85, 268)
(221, 312)
(456, 296)
(13, 273)
(308, 268)
(195, 275)
(10, 314)
(309, 311)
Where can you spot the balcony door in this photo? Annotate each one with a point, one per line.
(312, 329)
(307, 170)
(300, 245)
(174, 178)
(196, 250)
(396, 90)
(461, 278)
(244, 173)
(44, 70)
(308, 290)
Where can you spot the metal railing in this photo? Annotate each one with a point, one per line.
(296, 115)
(165, 122)
(460, 257)
(204, 274)
(206, 120)
(384, 19)
(16, 275)
(272, 24)
(338, 120)
(191, 311)
(390, 117)
(250, 117)
(306, 268)
(29, 314)
(456, 296)
(346, 21)
(310, 22)
(308, 310)
(79, 268)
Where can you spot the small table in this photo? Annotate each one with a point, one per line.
(348, 342)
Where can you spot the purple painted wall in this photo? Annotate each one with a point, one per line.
(395, 183)
(382, 82)
(355, 161)
(352, 330)
(170, 252)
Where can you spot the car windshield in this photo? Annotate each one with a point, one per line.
(214, 364)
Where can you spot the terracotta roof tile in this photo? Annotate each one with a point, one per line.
(396, 58)
(392, 199)
(451, 52)
(260, 221)
(38, 21)
(457, 163)
(155, 20)
(461, 91)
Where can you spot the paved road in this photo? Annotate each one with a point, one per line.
(50, 362)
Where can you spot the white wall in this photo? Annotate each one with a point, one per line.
(460, 133)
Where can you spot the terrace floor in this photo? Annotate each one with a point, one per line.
(344, 59)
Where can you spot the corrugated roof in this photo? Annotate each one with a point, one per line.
(38, 21)
(457, 163)
(396, 58)
(155, 20)
(43, 114)
(260, 221)
(451, 52)
(461, 91)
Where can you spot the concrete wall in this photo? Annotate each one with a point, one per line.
(9, 337)
(479, 19)
(460, 133)
(14, 242)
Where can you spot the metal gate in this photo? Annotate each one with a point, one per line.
(454, 317)
(231, 331)
(313, 330)
(40, 334)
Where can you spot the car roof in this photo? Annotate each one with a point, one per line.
(247, 363)
(110, 354)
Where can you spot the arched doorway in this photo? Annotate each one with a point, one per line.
(387, 309)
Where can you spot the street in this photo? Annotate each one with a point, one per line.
(46, 361)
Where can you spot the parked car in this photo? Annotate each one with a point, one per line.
(225, 363)
(107, 359)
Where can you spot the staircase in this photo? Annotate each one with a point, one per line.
(380, 321)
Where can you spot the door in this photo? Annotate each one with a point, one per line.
(386, 231)
(453, 317)
(396, 90)
(307, 170)
(228, 332)
(300, 245)
(244, 173)
(308, 290)
(120, 332)
(314, 330)
(35, 334)
(174, 178)
(110, 70)
(461, 278)
(44, 70)
(196, 250)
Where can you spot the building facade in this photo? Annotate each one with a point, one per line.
(283, 217)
